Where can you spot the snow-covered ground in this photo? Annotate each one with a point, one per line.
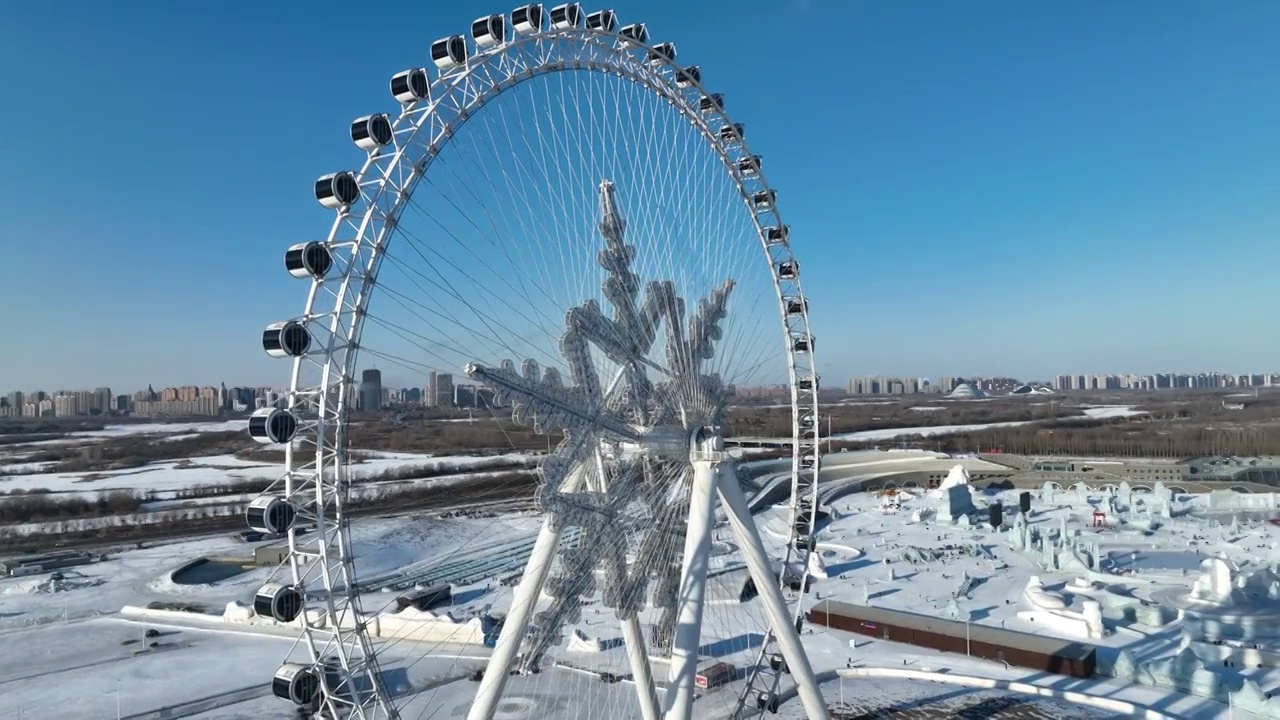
(109, 431)
(73, 624)
(79, 640)
(158, 477)
(1089, 413)
(224, 505)
(922, 431)
(167, 485)
(842, 402)
(60, 675)
(166, 477)
(162, 431)
(1103, 412)
(25, 468)
(137, 577)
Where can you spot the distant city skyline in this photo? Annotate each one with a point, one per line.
(1020, 189)
(1058, 381)
(219, 399)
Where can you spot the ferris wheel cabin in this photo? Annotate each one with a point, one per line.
(371, 132)
(449, 53)
(308, 260)
(337, 190)
(567, 16)
(527, 19)
(489, 31)
(410, 86)
(602, 20)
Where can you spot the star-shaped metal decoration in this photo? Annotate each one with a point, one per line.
(627, 442)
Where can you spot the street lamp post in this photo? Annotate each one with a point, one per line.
(965, 615)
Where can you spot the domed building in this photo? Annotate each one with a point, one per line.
(965, 391)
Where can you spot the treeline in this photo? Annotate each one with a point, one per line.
(887, 412)
(43, 505)
(442, 468)
(24, 439)
(212, 518)
(132, 451)
(1113, 439)
(491, 433)
(47, 426)
(429, 468)
(163, 520)
(776, 421)
(420, 413)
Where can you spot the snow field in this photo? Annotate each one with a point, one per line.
(393, 547)
(60, 675)
(222, 469)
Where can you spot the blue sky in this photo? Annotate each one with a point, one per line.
(980, 187)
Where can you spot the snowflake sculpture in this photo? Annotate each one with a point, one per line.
(627, 443)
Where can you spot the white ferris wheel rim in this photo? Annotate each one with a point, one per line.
(455, 95)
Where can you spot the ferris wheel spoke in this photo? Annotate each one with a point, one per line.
(480, 261)
(490, 317)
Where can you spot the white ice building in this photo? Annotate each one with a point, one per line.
(958, 476)
(955, 496)
(965, 391)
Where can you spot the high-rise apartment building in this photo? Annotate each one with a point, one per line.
(370, 389)
(439, 389)
(102, 400)
(472, 396)
(66, 405)
(886, 385)
(178, 408)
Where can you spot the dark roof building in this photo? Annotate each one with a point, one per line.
(1037, 652)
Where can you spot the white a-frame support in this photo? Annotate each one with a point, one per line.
(693, 591)
(713, 476)
(516, 626)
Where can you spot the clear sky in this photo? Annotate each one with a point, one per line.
(973, 188)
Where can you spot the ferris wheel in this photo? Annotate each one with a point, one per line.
(565, 215)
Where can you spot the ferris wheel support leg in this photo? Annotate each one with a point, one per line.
(516, 625)
(641, 670)
(693, 587)
(771, 595)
